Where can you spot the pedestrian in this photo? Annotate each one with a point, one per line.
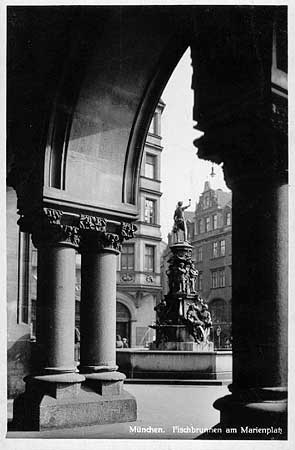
(125, 343)
(119, 342)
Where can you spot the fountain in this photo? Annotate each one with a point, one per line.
(182, 349)
(183, 320)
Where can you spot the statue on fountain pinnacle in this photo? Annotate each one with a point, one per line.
(179, 219)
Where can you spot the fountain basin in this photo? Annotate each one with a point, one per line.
(214, 365)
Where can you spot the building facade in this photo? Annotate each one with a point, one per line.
(138, 275)
(210, 234)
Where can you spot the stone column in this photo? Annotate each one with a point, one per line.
(98, 308)
(99, 251)
(57, 375)
(244, 120)
(260, 296)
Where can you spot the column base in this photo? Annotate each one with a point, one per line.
(253, 414)
(48, 404)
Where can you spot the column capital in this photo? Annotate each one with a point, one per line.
(51, 226)
(98, 235)
(251, 150)
(48, 228)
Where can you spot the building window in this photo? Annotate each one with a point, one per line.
(214, 220)
(149, 258)
(150, 211)
(201, 226)
(207, 224)
(196, 227)
(222, 248)
(217, 278)
(214, 279)
(218, 249)
(206, 202)
(228, 218)
(150, 166)
(215, 250)
(127, 257)
(154, 126)
(221, 278)
(199, 254)
(200, 281)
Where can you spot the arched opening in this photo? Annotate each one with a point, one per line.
(234, 107)
(123, 322)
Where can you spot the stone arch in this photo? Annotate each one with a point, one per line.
(240, 130)
(127, 301)
(96, 135)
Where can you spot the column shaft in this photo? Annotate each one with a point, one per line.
(260, 274)
(98, 310)
(56, 305)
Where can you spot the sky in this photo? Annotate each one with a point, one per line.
(183, 174)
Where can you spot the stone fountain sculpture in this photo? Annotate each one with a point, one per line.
(183, 320)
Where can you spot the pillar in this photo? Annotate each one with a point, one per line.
(99, 252)
(260, 301)
(57, 395)
(244, 119)
(56, 376)
(98, 309)
(56, 288)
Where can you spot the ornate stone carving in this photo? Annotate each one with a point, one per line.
(199, 321)
(127, 231)
(149, 279)
(71, 234)
(161, 310)
(111, 240)
(47, 229)
(100, 241)
(49, 225)
(92, 223)
(53, 215)
(127, 277)
(181, 272)
(94, 233)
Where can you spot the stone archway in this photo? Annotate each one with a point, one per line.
(76, 179)
(123, 322)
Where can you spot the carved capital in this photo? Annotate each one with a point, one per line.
(92, 223)
(127, 231)
(99, 235)
(50, 226)
(99, 242)
(47, 228)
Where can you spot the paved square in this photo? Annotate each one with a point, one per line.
(164, 412)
